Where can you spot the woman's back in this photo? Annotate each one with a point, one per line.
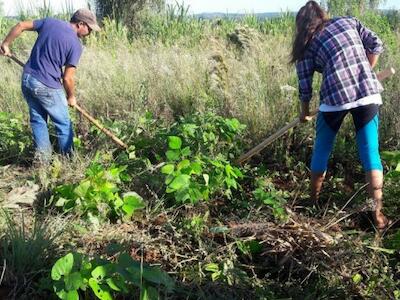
(338, 51)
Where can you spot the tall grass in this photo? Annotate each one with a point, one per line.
(27, 251)
(166, 66)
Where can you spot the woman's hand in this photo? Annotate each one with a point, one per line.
(305, 115)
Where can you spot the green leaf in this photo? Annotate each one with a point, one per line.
(195, 195)
(181, 195)
(168, 169)
(132, 202)
(118, 202)
(82, 189)
(101, 291)
(196, 168)
(383, 250)
(212, 267)
(186, 151)
(206, 178)
(180, 182)
(357, 278)
(148, 292)
(100, 272)
(157, 276)
(117, 284)
(60, 202)
(174, 142)
(172, 155)
(73, 281)
(71, 295)
(183, 164)
(62, 267)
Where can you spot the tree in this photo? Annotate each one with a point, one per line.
(1, 8)
(350, 7)
(125, 10)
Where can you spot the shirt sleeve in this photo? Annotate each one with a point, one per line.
(370, 40)
(305, 73)
(74, 54)
(38, 24)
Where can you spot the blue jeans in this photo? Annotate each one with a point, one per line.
(47, 102)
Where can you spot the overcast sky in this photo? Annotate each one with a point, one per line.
(11, 7)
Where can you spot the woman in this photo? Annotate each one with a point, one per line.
(345, 52)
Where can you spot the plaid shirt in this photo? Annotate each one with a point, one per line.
(339, 53)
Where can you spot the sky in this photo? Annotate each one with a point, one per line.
(195, 6)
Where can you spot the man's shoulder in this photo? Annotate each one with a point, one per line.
(50, 22)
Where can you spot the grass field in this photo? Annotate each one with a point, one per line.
(173, 216)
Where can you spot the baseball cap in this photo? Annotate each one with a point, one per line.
(85, 15)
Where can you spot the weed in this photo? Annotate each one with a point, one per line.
(28, 252)
(75, 272)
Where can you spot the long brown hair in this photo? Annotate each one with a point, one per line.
(310, 19)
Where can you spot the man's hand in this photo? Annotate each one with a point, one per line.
(72, 101)
(13, 34)
(5, 50)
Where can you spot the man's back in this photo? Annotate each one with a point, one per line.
(57, 45)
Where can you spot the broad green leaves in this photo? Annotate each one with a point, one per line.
(174, 142)
(393, 159)
(193, 172)
(73, 273)
(96, 197)
(62, 267)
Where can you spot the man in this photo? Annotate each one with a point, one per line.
(48, 88)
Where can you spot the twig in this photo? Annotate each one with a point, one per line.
(333, 222)
(3, 272)
(338, 221)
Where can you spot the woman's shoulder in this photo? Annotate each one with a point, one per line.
(349, 20)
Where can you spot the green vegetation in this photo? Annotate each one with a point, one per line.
(174, 216)
(75, 272)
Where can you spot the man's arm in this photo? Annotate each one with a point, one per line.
(69, 84)
(13, 34)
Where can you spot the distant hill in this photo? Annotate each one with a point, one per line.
(218, 15)
(266, 15)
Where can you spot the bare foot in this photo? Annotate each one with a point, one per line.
(381, 221)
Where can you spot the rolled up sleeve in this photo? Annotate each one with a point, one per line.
(372, 43)
(305, 72)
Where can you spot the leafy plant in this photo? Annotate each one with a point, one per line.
(267, 194)
(15, 139)
(225, 272)
(97, 195)
(194, 180)
(75, 272)
(196, 224)
(393, 160)
(249, 247)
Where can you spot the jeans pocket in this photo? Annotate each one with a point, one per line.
(42, 93)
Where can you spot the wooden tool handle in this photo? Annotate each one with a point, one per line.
(100, 126)
(385, 74)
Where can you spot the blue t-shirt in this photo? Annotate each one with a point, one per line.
(57, 46)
